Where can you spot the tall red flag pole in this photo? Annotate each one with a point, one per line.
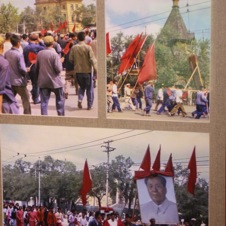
(86, 183)
(193, 173)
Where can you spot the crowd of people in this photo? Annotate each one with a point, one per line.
(40, 60)
(16, 215)
(168, 100)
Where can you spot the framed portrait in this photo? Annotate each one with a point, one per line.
(157, 200)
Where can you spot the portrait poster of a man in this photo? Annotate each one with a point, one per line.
(157, 199)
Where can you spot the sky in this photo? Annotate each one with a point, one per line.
(78, 144)
(21, 4)
(132, 17)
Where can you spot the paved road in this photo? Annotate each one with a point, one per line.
(71, 110)
(139, 115)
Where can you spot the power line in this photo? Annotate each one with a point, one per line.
(143, 23)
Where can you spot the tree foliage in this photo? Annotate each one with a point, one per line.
(86, 15)
(9, 18)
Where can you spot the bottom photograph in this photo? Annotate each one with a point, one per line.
(67, 176)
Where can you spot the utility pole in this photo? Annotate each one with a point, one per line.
(108, 150)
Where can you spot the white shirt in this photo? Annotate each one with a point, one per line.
(179, 94)
(114, 91)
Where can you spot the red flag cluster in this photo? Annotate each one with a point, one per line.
(61, 26)
(86, 183)
(129, 57)
(147, 170)
(148, 70)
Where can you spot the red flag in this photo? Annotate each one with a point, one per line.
(43, 32)
(156, 165)
(64, 24)
(108, 44)
(32, 57)
(128, 58)
(67, 48)
(169, 166)
(146, 163)
(86, 183)
(193, 173)
(148, 70)
(133, 44)
(51, 26)
(73, 29)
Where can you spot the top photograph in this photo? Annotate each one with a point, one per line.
(158, 59)
(48, 58)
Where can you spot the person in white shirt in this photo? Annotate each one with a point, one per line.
(128, 104)
(179, 103)
(82, 218)
(59, 217)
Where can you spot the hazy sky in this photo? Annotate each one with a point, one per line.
(77, 144)
(130, 16)
(21, 4)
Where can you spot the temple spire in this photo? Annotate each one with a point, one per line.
(175, 3)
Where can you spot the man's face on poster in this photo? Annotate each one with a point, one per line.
(156, 189)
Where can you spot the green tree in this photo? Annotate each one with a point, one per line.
(86, 15)
(120, 178)
(190, 206)
(99, 182)
(28, 20)
(9, 18)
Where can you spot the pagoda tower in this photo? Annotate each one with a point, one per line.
(175, 27)
(66, 10)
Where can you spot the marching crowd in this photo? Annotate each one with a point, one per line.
(41, 61)
(169, 99)
(16, 215)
